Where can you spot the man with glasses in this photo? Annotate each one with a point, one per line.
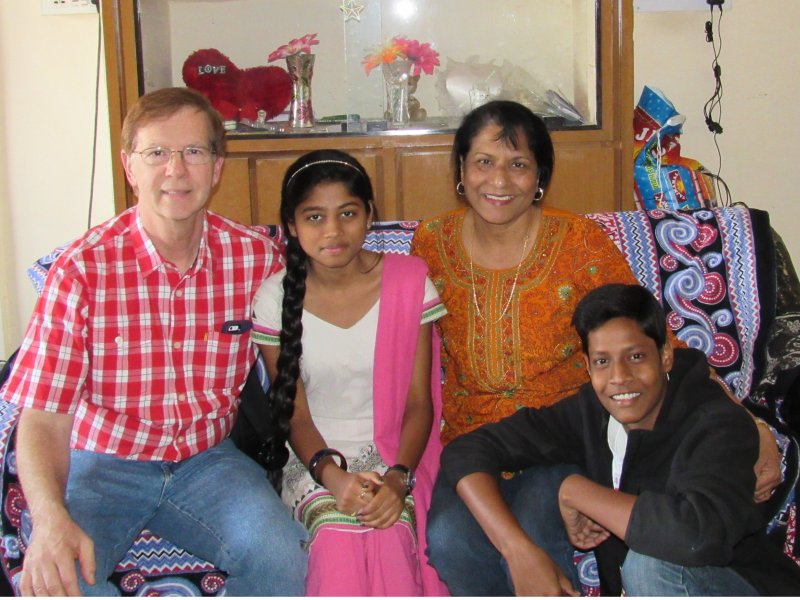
(130, 372)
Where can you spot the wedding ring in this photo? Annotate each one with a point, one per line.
(362, 494)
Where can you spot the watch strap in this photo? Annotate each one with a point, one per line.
(408, 475)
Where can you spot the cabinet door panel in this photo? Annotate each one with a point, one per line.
(425, 182)
(231, 197)
(269, 171)
(585, 178)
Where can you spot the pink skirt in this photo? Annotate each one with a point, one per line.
(348, 559)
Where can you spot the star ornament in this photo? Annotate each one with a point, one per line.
(351, 10)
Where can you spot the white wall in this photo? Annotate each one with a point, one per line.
(48, 66)
(47, 77)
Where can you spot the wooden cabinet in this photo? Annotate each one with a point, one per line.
(411, 174)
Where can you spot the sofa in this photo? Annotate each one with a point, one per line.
(727, 286)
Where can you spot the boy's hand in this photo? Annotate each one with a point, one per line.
(583, 533)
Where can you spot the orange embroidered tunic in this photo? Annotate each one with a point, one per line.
(532, 355)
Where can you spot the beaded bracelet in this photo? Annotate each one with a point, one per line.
(324, 453)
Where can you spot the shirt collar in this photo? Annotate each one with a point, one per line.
(148, 258)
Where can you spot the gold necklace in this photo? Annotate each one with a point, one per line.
(513, 287)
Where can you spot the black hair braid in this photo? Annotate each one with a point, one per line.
(282, 392)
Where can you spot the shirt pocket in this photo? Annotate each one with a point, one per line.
(125, 370)
(224, 360)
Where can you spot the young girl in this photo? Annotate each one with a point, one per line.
(361, 409)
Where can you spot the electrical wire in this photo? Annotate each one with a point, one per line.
(712, 110)
(719, 183)
(96, 118)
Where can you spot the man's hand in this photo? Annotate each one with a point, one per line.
(533, 573)
(768, 465)
(49, 567)
(582, 531)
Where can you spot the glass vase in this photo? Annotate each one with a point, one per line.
(301, 68)
(395, 78)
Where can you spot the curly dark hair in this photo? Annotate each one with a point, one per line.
(301, 178)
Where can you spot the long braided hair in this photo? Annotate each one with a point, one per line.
(300, 180)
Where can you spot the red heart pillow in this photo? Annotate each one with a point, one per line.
(264, 88)
(232, 90)
(211, 72)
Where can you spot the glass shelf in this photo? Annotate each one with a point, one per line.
(543, 53)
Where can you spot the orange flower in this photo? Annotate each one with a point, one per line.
(422, 56)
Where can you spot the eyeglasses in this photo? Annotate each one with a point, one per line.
(158, 156)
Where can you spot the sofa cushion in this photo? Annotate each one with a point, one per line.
(714, 273)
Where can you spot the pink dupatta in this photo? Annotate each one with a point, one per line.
(401, 306)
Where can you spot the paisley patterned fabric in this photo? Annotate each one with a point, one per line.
(716, 285)
(713, 270)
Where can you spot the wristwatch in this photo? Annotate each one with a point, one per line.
(409, 479)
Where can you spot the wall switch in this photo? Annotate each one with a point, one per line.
(68, 7)
(678, 5)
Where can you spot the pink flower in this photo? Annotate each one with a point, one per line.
(298, 46)
(423, 57)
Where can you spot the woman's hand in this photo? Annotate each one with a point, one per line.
(354, 491)
(768, 465)
(388, 502)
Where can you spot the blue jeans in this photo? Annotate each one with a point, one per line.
(217, 505)
(647, 576)
(465, 558)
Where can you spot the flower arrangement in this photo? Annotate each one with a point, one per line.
(298, 46)
(423, 57)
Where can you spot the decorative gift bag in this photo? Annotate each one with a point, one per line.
(662, 178)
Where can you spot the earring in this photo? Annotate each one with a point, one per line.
(538, 195)
(460, 188)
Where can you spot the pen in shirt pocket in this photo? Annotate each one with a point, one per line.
(236, 327)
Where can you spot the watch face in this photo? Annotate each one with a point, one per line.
(411, 480)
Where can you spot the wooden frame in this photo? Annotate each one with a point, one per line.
(411, 174)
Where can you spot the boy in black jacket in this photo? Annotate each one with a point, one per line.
(667, 499)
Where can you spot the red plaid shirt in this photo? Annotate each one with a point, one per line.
(137, 351)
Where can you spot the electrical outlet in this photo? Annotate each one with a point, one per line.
(678, 5)
(69, 7)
